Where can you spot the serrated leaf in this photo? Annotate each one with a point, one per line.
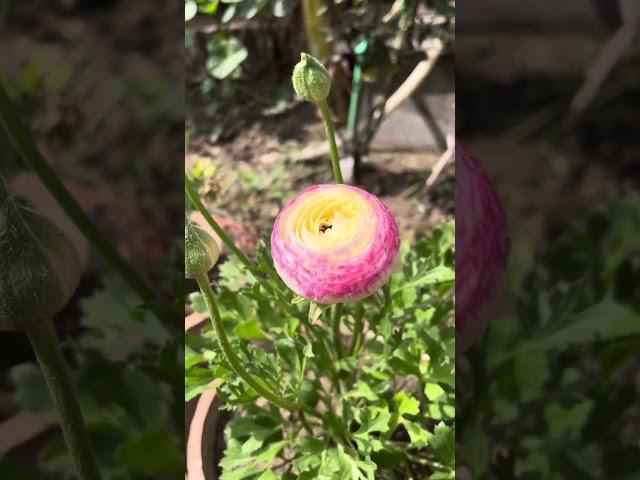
(406, 404)
(373, 419)
(250, 330)
(418, 435)
(361, 390)
(439, 274)
(606, 320)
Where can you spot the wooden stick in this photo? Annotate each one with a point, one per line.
(415, 78)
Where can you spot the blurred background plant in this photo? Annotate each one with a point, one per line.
(552, 390)
(100, 84)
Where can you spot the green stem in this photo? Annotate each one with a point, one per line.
(331, 136)
(24, 144)
(357, 335)
(45, 344)
(194, 198)
(230, 356)
(337, 338)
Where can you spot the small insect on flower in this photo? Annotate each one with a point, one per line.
(334, 243)
(482, 247)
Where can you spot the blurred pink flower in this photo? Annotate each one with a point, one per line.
(482, 246)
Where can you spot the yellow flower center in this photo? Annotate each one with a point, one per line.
(331, 218)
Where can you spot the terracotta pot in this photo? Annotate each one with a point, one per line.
(205, 423)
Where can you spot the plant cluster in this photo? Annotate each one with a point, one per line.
(339, 389)
(552, 389)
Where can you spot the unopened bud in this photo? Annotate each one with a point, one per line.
(201, 251)
(39, 265)
(311, 80)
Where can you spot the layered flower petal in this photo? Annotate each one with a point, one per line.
(482, 246)
(334, 243)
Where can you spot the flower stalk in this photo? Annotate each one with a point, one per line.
(47, 349)
(230, 356)
(312, 82)
(331, 137)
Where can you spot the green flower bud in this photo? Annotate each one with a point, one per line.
(201, 251)
(310, 79)
(39, 266)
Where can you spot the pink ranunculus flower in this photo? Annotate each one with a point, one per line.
(334, 243)
(482, 247)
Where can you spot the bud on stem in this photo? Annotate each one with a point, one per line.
(201, 251)
(311, 79)
(39, 264)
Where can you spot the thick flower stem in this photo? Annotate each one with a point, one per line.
(331, 137)
(45, 344)
(24, 144)
(230, 356)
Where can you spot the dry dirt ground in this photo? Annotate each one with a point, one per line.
(256, 171)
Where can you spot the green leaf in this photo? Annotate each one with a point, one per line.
(268, 475)
(297, 299)
(407, 405)
(31, 390)
(114, 322)
(439, 274)
(238, 465)
(153, 452)
(606, 320)
(353, 469)
(418, 435)
(361, 390)
(310, 452)
(316, 310)
(434, 392)
(197, 302)
(567, 421)
(442, 442)
(234, 54)
(250, 330)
